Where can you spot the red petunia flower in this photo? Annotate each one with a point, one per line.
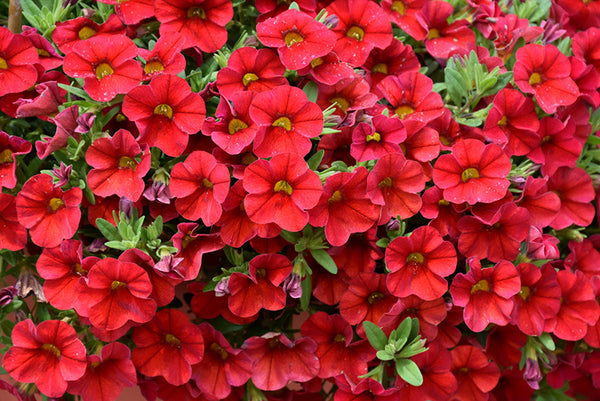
(236, 226)
(584, 46)
(362, 25)
(48, 57)
(168, 346)
(328, 70)
(13, 236)
(372, 141)
(344, 207)
(443, 214)
(250, 69)
(201, 185)
(10, 148)
(296, 360)
(50, 214)
(106, 374)
(48, 355)
(165, 112)
(395, 59)
(430, 314)
(106, 63)
(117, 293)
(348, 94)
(68, 33)
(419, 263)
(260, 289)
(575, 190)
(281, 191)
(486, 294)
(287, 120)
(508, 29)
(191, 247)
(132, 12)
(201, 22)
(545, 72)
(473, 172)
(542, 205)
(298, 38)
(367, 298)
(116, 169)
(405, 14)
(165, 57)
(475, 374)
(17, 56)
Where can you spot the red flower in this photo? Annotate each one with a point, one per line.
(168, 346)
(405, 14)
(280, 191)
(250, 69)
(558, 145)
(13, 236)
(201, 185)
(191, 247)
(475, 374)
(10, 148)
(362, 25)
(106, 64)
(545, 72)
(367, 298)
(381, 137)
(542, 204)
(132, 11)
(165, 57)
(395, 59)
(260, 289)
(419, 263)
(221, 367)
(328, 69)
(117, 292)
(348, 94)
(236, 226)
(473, 172)
(48, 355)
(297, 37)
(430, 314)
(538, 300)
(443, 214)
(66, 123)
(287, 120)
(68, 33)
(106, 375)
(48, 57)
(165, 112)
(201, 22)
(50, 214)
(17, 56)
(411, 97)
(116, 169)
(584, 46)
(344, 207)
(575, 190)
(294, 361)
(486, 294)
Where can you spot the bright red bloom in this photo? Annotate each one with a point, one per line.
(475, 374)
(50, 214)
(419, 263)
(430, 314)
(107, 65)
(168, 346)
(328, 69)
(297, 360)
(116, 169)
(336, 352)
(578, 307)
(117, 292)
(201, 22)
(250, 69)
(395, 183)
(10, 148)
(201, 185)
(106, 374)
(221, 367)
(473, 172)
(405, 14)
(165, 57)
(236, 226)
(166, 112)
(503, 345)
(344, 207)
(132, 11)
(587, 79)
(508, 29)
(411, 97)
(362, 25)
(348, 94)
(71, 32)
(381, 137)
(575, 190)
(192, 247)
(395, 59)
(367, 298)
(423, 143)
(367, 389)
(17, 56)
(538, 300)
(584, 46)
(558, 145)
(545, 72)
(298, 38)
(66, 123)
(260, 289)
(48, 57)
(542, 204)
(486, 294)
(48, 355)
(443, 214)
(13, 236)
(512, 122)
(270, 8)
(496, 239)
(281, 191)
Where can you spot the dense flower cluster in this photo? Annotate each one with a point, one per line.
(267, 200)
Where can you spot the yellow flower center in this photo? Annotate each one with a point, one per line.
(342, 103)
(415, 257)
(127, 162)
(443, 202)
(469, 173)
(283, 186)
(340, 338)
(249, 77)
(381, 68)
(248, 158)
(433, 33)
(356, 32)
(283, 122)
(3, 64)
(524, 293)
(172, 340)
(403, 111)
(261, 272)
(375, 137)
(196, 12)
(291, 38)
(56, 203)
(399, 7)
(51, 348)
(335, 197)
(42, 52)
(482, 285)
(207, 183)
(503, 121)
(153, 66)
(316, 62)
(235, 125)
(216, 348)
(535, 79)
(164, 110)
(103, 70)
(386, 182)
(6, 156)
(185, 241)
(374, 297)
(86, 32)
(116, 284)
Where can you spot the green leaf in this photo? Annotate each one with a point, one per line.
(311, 90)
(315, 160)
(385, 355)
(109, 231)
(118, 245)
(409, 372)
(454, 86)
(75, 91)
(30, 9)
(42, 314)
(403, 330)
(290, 237)
(13, 306)
(306, 286)
(414, 330)
(375, 335)
(547, 341)
(323, 258)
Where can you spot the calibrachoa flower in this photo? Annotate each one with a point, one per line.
(367, 298)
(132, 11)
(50, 214)
(17, 56)
(68, 33)
(191, 247)
(13, 236)
(10, 148)
(574, 188)
(48, 355)
(475, 374)
(165, 57)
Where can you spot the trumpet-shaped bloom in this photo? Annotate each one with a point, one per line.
(13, 236)
(10, 148)
(475, 373)
(17, 56)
